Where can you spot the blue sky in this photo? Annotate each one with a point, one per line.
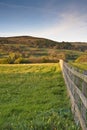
(60, 20)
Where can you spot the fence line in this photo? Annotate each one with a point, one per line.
(77, 87)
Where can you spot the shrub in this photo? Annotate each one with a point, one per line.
(18, 61)
(21, 60)
(82, 58)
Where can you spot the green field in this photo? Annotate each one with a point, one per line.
(81, 66)
(34, 97)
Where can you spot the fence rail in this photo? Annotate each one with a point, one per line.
(77, 87)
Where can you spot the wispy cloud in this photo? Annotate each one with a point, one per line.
(69, 26)
(60, 23)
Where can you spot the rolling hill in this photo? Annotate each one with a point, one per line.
(34, 42)
(28, 49)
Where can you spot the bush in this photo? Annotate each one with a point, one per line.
(21, 60)
(82, 58)
(13, 57)
(18, 61)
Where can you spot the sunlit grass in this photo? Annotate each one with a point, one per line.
(34, 97)
(81, 66)
(25, 68)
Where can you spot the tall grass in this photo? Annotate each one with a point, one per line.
(81, 66)
(34, 97)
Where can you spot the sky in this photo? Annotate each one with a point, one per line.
(59, 20)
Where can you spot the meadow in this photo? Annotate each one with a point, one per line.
(34, 97)
(82, 66)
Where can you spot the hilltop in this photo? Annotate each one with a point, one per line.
(34, 42)
(42, 43)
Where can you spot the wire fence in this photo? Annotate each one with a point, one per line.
(77, 87)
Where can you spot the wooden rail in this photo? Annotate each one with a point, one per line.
(77, 87)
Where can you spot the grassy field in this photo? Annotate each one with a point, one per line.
(34, 97)
(81, 66)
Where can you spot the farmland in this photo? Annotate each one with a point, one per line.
(81, 66)
(26, 49)
(34, 97)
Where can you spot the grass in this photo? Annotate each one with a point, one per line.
(34, 97)
(81, 66)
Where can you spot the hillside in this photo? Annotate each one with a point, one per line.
(42, 43)
(28, 49)
(35, 42)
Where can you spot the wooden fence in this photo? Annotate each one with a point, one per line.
(77, 87)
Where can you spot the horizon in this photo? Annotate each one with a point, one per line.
(56, 20)
(14, 36)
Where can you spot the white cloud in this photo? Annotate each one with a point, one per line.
(71, 26)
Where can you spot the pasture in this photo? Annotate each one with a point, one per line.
(34, 97)
(81, 66)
